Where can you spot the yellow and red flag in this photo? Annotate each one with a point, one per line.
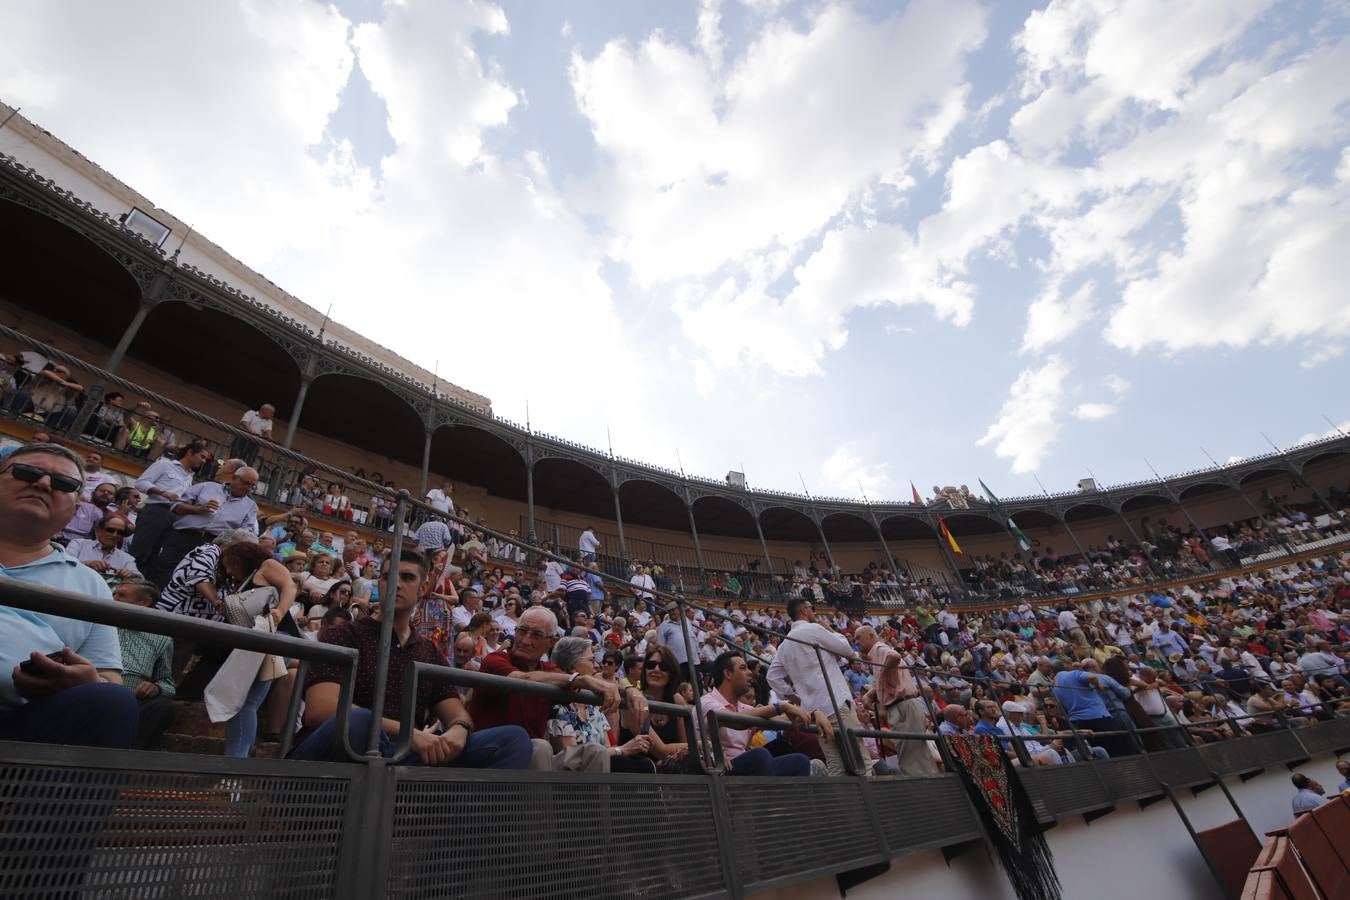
(918, 501)
(951, 541)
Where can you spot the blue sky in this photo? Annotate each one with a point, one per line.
(846, 244)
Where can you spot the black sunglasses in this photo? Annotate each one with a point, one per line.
(115, 531)
(655, 663)
(64, 484)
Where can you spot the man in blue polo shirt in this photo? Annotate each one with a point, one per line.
(1078, 693)
(60, 679)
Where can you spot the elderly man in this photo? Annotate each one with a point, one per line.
(60, 679)
(460, 740)
(796, 671)
(207, 510)
(257, 422)
(895, 690)
(1014, 721)
(534, 637)
(470, 602)
(678, 633)
(1079, 693)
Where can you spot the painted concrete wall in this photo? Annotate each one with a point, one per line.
(1131, 854)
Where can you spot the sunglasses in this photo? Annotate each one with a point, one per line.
(114, 531)
(655, 663)
(64, 484)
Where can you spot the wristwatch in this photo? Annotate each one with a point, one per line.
(465, 724)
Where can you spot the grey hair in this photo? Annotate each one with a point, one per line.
(50, 448)
(568, 652)
(235, 536)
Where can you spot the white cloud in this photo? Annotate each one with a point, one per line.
(1053, 317)
(1028, 422)
(1317, 355)
(738, 167)
(1118, 385)
(845, 474)
(1091, 412)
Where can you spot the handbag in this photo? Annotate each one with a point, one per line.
(242, 607)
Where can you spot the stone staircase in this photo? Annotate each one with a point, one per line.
(193, 732)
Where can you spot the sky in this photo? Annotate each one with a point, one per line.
(840, 246)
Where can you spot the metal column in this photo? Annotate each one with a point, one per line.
(693, 529)
(529, 498)
(426, 466)
(294, 423)
(618, 518)
(763, 545)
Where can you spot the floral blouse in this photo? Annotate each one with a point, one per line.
(587, 724)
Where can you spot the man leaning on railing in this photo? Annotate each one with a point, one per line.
(60, 679)
(458, 743)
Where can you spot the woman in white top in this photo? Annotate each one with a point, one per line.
(320, 578)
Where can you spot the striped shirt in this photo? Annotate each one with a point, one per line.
(180, 594)
(578, 584)
(147, 657)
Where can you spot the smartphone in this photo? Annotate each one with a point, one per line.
(27, 664)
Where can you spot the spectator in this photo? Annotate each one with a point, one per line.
(668, 734)
(107, 420)
(576, 725)
(679, 636)
(896, 692)
(642, 583)
(731, 682)
(103, 552)
(1078, 693)
(207, 510)
(588, 545)
(147, 665)
(94, 474)
(534, 637)
(257, 422)
(441, 498)
(459, 742)
(88, 514)
(1308, 794)
(795, 671)
(1014, 722)
(1343, 768)
(63, 682)
(434, 535)
(162, 483)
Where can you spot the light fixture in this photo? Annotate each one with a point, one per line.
(147, 226)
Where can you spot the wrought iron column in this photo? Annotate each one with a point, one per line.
(693, 529)
(294, 423)
(129, 334)
(94, 395)
(618, 518)
(885, 549)
(820, 529)
(1073, 537)
(426, 465)
(763, 544)
(529, 496)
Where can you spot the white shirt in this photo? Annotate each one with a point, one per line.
(588, 543)
(644, 584)
(795, 669)
(440, 500)
(1067, 621)
(93, 480)
(256, 424)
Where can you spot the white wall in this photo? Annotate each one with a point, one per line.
(1130, 853)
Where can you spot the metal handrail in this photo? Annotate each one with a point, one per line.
(67, 604)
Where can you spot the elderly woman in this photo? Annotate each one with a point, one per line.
(323, 574)
(579, 723)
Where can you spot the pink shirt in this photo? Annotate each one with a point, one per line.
(734, 741)
(891, 684)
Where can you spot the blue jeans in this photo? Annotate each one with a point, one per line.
(90, 715)
(761, 762)
(503, 747)
(243, 728)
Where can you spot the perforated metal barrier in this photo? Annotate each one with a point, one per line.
(76, 822)
(111, 824)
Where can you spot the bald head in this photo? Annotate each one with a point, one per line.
(866, 636)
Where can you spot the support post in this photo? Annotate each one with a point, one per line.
(947, 557)
(890, 560)
(94, 395)
(693, 529)
(294, 423)
(820, 529)
(529, 500)
(618, 518)
(426, 466)
(763, 544)
(1073, 537)
(388, 591)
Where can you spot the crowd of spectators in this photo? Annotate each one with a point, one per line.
(1215, 659)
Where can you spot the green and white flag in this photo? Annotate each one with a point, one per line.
(1018, 535)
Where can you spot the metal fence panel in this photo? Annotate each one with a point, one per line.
(920, 813)
(109, 824)
(791, 829)
(1058, 791)
(1327, 736)
(1180, 768)
(1231, 757)
(1128, 778)
(529, 835)
(1276, 747)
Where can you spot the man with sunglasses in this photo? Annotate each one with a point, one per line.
(60, 679)
(103, 552)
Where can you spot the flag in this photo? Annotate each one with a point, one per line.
(951, 541)
(918, 501)
(1018, 535)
